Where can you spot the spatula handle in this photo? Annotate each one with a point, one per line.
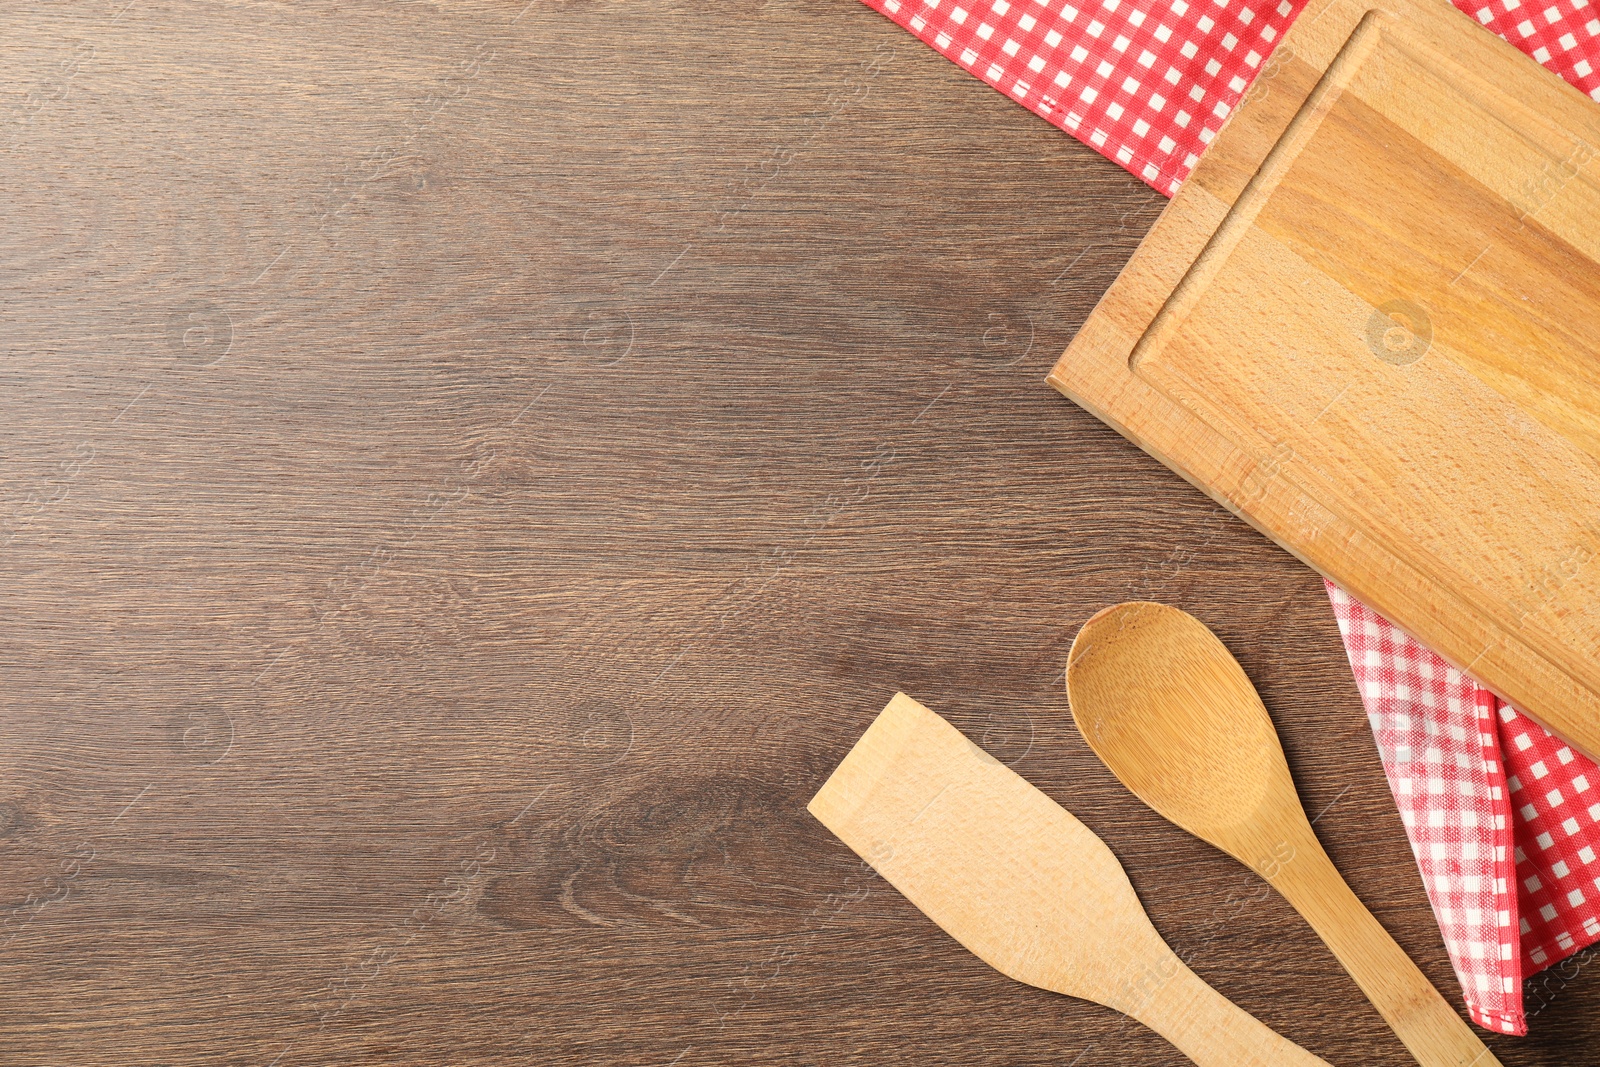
(1206, 1026)
(1435, 1035)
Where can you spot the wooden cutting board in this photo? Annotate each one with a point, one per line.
(1369, 324)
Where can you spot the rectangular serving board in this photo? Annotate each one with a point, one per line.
(1369, 324)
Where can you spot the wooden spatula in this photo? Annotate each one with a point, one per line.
(1029, 889)
(1173, 715)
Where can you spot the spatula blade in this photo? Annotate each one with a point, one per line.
(998, 865)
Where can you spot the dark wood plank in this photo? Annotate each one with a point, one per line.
(470, 472)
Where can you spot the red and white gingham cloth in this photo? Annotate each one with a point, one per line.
(1148, 82)
(1504, 819)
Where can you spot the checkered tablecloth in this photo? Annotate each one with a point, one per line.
(1148, 82)
(1503, 818)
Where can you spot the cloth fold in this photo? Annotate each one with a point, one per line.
(1437, 736)
(1503, 818)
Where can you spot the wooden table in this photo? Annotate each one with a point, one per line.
(471, 470)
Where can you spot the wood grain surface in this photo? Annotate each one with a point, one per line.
(471, 470)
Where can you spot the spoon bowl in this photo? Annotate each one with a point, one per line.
(1161, 719)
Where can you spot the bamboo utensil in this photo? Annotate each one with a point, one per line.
(1012, 876)
(1171, 713)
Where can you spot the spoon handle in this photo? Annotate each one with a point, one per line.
(1435, 1035)
(1206, 1026)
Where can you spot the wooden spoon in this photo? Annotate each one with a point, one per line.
(1029, 889)
(1165, 706)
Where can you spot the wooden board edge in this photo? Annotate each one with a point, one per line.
(1548, 695)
